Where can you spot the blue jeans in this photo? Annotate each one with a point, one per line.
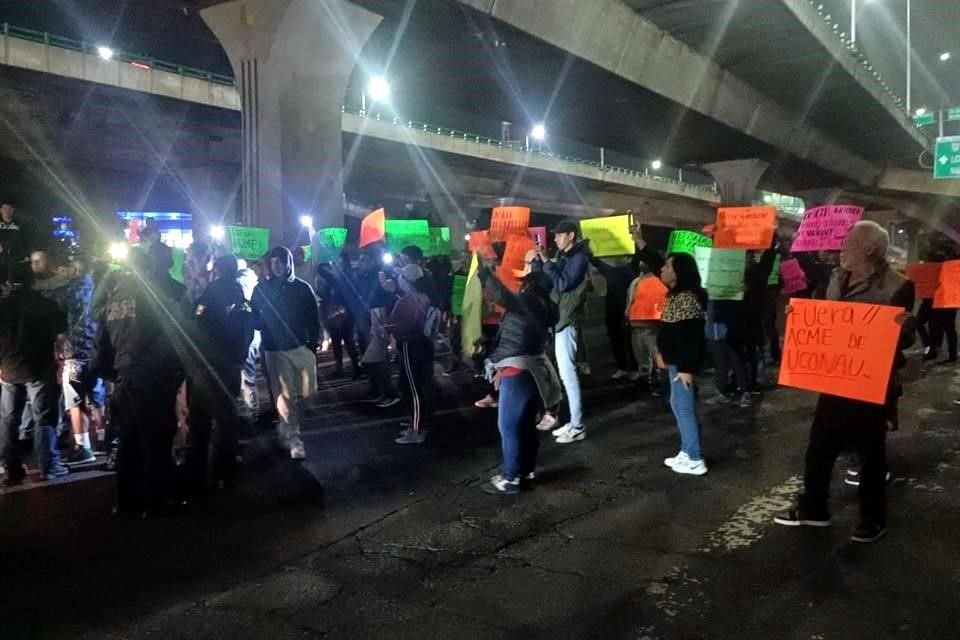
(42, 396)
(517, 419)
(683, 403)
(565, 347)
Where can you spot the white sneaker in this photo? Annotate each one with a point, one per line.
(297, 450)
(634, 376)
(619, 373)
(547, 422)
(410, 437)
(573, 434)
(680, 457)
(562, 430)
(690, 467)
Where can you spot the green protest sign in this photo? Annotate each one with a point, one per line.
(403, 233)
(775, 272)
(456, 301)
(439, 242)
(721, 271)
(176, 271)
(682, 241)
(249, 243)
(329, 243)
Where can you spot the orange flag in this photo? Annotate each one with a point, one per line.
(373, 228)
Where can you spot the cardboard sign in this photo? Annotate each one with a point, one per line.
(608, 236)
(824, 228)
(947, 295)
(794, 279)
(745, 227)
(176, 271)
(405, 233)
(775, 271)
(843, 349)
(682, 241)
(506, 221)
(721, 271)
(649, 299)
(373, 228)
(926, 277)
(539, 235)
(249, 243)
(509, 280)
(327, 244)
(480, 243)
(515, 252)
(456, 300)
(439, 242)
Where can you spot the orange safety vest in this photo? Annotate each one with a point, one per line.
(649, 298)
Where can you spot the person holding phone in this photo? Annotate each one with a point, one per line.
(680, 346)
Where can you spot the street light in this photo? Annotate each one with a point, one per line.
(218, 233)
(656, 164)
(945, 56)
(921, 111)
(306, 221)
(105, 53)
(539, 132)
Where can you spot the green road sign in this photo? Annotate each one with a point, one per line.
(925, 119)
(946, 159)
(953, 114)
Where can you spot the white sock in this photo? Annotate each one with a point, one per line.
(82, 439)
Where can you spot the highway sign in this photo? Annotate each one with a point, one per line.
(946, 158)
(953, 114)
(924, 119)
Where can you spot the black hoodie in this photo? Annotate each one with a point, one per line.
(285, 308)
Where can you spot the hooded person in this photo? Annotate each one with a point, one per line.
(285, 311)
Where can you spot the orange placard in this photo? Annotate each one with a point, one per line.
(843, 349)
(509, 280)
(649, 298)
(515, 252)
(507, 221)
(947, 295)
(480, 243)
(745, 227)
(373, 228)
(926, 277)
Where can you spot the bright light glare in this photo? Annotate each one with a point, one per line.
(539, 132)
(119, 251)
(306, 221)
(921, 111)
(217, 232)
(656, 164)
(241, 264)
(467, 237)
(388, 258)
(944, 56)
(105, 53)
(378, 89)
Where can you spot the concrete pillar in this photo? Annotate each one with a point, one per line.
(819, 197)
(293, 59)
(213, 194)
(737, 179)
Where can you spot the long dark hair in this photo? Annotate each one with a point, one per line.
(688, 277)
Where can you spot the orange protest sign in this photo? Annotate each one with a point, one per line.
(509, 280)
(480, 243)
(947, 295)
(926, 277)
(745, 227)
(649, 298)
(373, 228)
(507, 221)
(515, 252)
(843, 349)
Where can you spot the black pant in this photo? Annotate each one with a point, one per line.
(340, 335)
(416, 380)
(923, 320)
(944, 321)
(380, 383)
(619, 343)
(143, 411)
(770, 327)
(842, 425)
(213, 427)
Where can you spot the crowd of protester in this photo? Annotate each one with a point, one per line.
(122, 357)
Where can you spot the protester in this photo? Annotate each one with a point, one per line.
(680, 350)
(569, 277)
(29, 326)
(285, 310)
(376, 357)
(643, 331)
(336, 317)
(13, 240)
(841, 424)
(618, 276)
(408, 323)
(526, 377)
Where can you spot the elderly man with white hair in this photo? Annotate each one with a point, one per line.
(841, 424)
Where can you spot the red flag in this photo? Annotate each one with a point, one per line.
(373, 228)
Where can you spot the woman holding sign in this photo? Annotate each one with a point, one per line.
(680, 346)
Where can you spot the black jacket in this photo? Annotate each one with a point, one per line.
(224, 319)
(29, 325)
(530, 313)
(681, 340)
(285, 309)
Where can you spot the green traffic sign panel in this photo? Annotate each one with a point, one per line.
(953, 114)
(925, 119)
(946, 159)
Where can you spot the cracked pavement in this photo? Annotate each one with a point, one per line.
(609, 543)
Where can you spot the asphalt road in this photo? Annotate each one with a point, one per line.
(401, 542)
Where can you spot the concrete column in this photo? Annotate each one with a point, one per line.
(213, 194)
(293, 59)
(737, 179)
(819, 197)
